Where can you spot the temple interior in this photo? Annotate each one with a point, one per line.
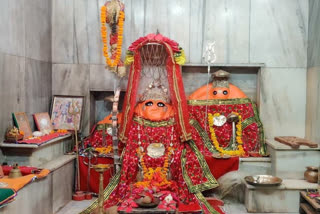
(168, 106)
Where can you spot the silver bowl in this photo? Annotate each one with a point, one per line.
(263, 180)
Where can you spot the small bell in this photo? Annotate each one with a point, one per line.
(15, 172)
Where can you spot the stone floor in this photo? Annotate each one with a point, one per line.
(74, 207)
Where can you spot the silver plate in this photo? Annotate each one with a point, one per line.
(263, 180)
(156, 150)
(219, 121)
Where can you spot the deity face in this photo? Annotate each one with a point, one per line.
(154, 110)
(220, 93)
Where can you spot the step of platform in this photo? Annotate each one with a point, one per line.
(277, 199)
(288, 163)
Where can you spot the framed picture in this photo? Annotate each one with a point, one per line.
(66, 112)
(43, 121)
(21, 121)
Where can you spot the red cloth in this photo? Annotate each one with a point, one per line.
(94, 176)
(219, 167)
(174, 77)
(42, 139)
(25, 170)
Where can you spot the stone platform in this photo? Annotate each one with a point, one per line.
(291, 163)
(49, 194)
(276, 199)
(36, 155)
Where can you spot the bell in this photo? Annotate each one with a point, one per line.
(15, 172)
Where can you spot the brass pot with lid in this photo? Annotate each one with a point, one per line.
(15, 172)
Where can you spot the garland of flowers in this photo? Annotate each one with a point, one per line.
(215, 142)
(115, 61)
(159, 174)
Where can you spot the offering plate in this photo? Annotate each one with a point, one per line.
(263, 180)
(147, 205)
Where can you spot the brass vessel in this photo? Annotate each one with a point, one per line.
(311, 174)
(15, 172)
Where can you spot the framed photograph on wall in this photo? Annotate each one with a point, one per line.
(66, 112)
(22, 123)
(43, 121)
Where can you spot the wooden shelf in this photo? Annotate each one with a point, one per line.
(308, 205)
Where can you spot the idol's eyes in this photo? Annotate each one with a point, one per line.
(225, 92)
(215, 92)
(160, 104)
(150, 103)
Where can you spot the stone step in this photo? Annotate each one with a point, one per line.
(291, 163)
(277, 199)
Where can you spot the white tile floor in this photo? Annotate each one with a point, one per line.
(74, 207)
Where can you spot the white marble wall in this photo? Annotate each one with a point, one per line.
(249, 31)
(25, 58)
(313, 74)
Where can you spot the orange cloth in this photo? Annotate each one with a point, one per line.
(18, 183)
(108, 119)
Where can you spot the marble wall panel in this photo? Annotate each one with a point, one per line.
(63, 31)
(279, 33)
(12, 89)
(197, 19)
(313, 104)
(171, 19)
(283, 101)
(313, 34)
(73, 79)
(37, 18)
(227, 23)
(38, 86)
(134, 25)
(12, 27)
(104, 80)
(313, 74)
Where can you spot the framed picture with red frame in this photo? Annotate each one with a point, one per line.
(43, 121)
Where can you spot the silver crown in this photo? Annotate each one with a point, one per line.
(155, 91)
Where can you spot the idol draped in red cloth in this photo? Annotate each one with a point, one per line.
(159, 157)
(211, 110)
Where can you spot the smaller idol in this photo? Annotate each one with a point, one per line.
(225, 120)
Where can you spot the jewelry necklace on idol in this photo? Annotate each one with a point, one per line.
(139, 137)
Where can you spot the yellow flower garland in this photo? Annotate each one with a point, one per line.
(148, 173)
(215, 142)
(110, 62)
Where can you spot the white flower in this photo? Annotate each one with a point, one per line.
(168, 198)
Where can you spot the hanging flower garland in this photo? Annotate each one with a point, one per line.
(154, 176)
(215, 142)
(111, 62)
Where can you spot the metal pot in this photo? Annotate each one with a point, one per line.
(311, 174)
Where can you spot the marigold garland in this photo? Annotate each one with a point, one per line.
(104, 150)
(157, 176)
(215, 142)
(111, 62)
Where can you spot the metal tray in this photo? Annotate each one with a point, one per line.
(263, 180)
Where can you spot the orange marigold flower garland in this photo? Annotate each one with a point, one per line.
(111, 62)
(155, 176)
(215, 142)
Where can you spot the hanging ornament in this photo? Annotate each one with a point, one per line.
(112, 13)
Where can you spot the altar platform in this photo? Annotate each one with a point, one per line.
(51, 193)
